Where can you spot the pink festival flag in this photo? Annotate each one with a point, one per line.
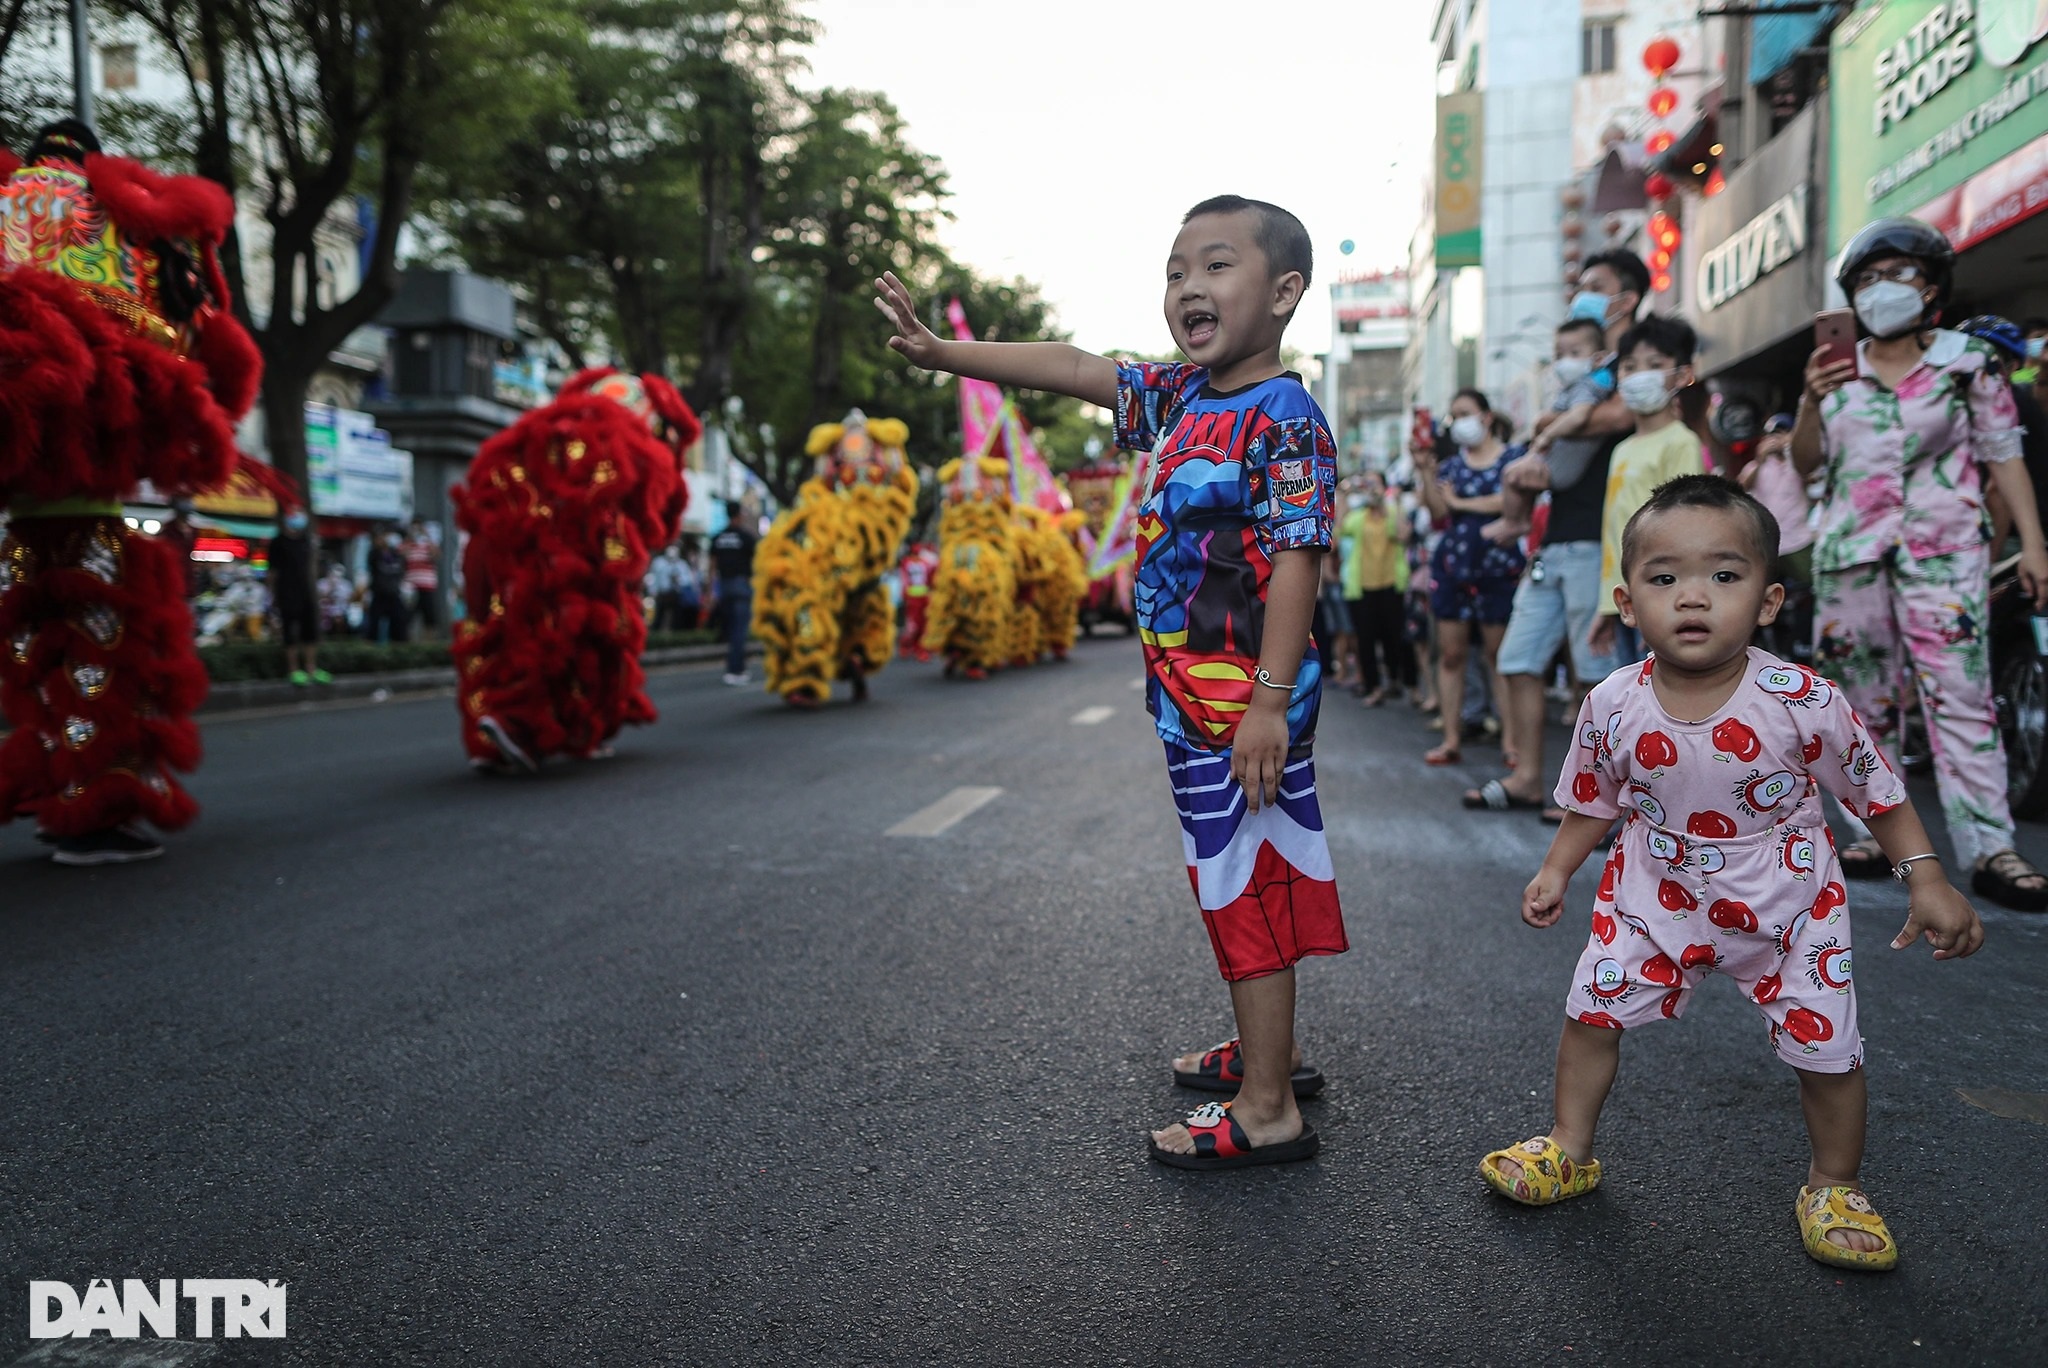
(989, 427)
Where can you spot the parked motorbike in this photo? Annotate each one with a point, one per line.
(2019, 675)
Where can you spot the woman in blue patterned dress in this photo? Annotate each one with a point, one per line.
(1474, 578)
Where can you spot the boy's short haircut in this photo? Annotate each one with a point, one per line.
(1672, 336)
(1279, 234)
(2034, 325)
(1624, 263)
(1585, 325)
(1705, 491)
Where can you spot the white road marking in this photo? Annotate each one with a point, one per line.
(943, 815)
(1088, 717)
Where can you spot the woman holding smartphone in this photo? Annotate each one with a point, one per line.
(1909, 430)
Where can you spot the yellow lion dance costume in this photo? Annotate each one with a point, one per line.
(1051, 580)
(820, 608)
(973, 617)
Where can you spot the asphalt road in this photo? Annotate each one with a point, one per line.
(679, 1059)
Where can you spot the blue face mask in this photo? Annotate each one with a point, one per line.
(2034, 347)
(1591, 304)
(296, 522)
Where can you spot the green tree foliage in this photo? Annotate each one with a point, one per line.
(318, 109)
(693, 210)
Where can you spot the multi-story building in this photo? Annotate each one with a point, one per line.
(1552, 96)
(1362, 371)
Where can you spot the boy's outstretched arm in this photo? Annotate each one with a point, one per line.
(1934, 908)
(1052, 366)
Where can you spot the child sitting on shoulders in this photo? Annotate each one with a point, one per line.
(1585, 377)
(1715, 751)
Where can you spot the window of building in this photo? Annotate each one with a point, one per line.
(117, 67)
(1596, 48)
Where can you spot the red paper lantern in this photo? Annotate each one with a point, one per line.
(1657, 186)
(1660, 258)
(1663, 100)
(1659, 140)
(1663, 230)
(1660, 55)
(1716, 183)
(1661, 281)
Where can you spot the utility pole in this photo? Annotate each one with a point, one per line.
(81, 65)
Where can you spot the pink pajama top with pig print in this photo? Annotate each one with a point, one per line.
(1725, 864)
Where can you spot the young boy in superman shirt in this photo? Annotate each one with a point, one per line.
(1239, 495)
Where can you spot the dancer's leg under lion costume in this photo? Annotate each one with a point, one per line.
(118, 363)
(563, 509)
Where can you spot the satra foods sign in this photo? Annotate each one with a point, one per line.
(1754, 250)
(1924, 97)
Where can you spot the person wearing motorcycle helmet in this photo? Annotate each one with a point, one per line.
(1909, 431)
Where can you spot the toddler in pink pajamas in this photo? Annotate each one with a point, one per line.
(1724, 864)
(1714, 754)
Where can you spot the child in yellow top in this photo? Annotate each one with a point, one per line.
(1655, 364)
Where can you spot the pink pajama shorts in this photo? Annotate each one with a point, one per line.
(1767, 910)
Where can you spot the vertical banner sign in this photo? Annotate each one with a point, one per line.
(1457, 180)
(1939, 110)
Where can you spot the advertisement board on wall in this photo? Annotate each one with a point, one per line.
(1458, 130)
(1927, 98)
(352, 470)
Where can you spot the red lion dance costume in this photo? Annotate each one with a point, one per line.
(118, 364)
(563, 509)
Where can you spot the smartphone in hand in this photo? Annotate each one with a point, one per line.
(1835, 329)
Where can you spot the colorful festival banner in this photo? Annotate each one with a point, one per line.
(1118, 545)
(988, 417)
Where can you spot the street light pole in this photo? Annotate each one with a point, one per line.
(81, 64)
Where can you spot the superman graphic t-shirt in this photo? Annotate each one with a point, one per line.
(1236, 478)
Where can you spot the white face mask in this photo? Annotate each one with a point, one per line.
(1889, 308)
(1354, 501)
(1569, 370)
(1468, 431)
(1646, 392)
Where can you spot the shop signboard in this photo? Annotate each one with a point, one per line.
(1925, 97)
(352, 469)
(1458, 130)
(1753, 251)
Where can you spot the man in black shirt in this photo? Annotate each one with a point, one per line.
(292, 602)
(732, 555)
(1559, 595)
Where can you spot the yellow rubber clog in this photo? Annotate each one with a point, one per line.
(1548, 1173)
(1822, 1209)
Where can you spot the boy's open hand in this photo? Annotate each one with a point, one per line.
(919, 344)
(1543, 899)
(1938, 912)
(1258, 755)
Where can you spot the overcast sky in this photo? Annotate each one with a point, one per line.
(1077, 132)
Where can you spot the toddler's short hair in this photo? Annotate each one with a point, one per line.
(1672, 336)
(1586, 326)
(1705, 491)
(1279, 234)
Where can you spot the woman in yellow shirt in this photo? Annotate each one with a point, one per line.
(1375, 578)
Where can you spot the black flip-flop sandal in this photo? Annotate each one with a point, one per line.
(1222, 1071)
(1996, 882)
(1493, 796)
(1220, 1143)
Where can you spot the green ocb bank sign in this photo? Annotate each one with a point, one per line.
(1939, 110)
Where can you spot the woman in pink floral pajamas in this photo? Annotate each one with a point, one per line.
(1901, 568)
